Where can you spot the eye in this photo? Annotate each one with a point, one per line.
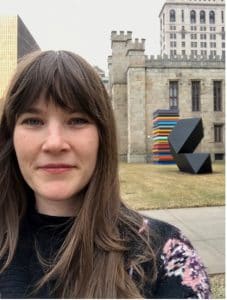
(78, 121)
(32, 122)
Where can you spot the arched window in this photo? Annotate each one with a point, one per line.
(202, 17)
(193, 17)
(212, 17)
(172, 15)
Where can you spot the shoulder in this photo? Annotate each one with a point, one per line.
(181, 272)
(161, 232)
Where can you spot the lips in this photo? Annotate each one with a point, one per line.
(56, 168)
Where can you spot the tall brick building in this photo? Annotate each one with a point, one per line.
(15, 42)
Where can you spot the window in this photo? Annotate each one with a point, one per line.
(203, 52)
(172, 15)
(213, 52)
(218, 133)
(202, 17)
(173, 94)
(203, 44)
(212, 28)
(173, 44)
(195, 95)
(212, 17)
(203, 36)
(222, 16)
(218, 156)
(223, 45)
(212, 45)
(212, 36)
(182, 15)
(173, 35)
(183, 52)
(182, 44)
(173, 52)
(163, 19)
(193, 36)
(193, 52)
(223, 36)
(193, 16)
(193, 44)
(183, 35)
(203, 28)
(217, 95)
(223, 54)
(193, 28)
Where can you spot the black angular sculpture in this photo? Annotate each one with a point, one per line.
(183, 140)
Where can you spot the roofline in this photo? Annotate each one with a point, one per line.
(194, 4)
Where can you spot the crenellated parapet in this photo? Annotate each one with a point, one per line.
(183, 61)
(122, 36)
(136, 45)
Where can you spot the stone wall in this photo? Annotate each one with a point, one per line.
(157, 97)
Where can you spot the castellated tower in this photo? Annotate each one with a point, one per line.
(127, 89)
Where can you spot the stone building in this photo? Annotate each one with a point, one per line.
(103, 77)
(192, 27)
(15, 42)
(139, 85)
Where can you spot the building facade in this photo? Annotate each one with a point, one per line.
(103, 77)
(192, 27)
(139, 85)
(15, 42)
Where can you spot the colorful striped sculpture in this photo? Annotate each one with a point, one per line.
(164, 121)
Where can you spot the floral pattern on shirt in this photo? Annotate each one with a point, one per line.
(180, 259)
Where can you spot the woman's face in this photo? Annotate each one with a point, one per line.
(57, 152)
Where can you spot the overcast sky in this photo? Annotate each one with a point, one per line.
(84, 26)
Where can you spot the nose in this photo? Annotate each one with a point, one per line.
(55, 139)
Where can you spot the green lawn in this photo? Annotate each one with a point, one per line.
(148, 186)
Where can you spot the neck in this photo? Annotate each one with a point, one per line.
(59, 208)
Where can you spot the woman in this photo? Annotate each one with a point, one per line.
(64, 231)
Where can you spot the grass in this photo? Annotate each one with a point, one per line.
(218, 286)
(149, 186)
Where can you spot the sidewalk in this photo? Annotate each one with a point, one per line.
(205, 228)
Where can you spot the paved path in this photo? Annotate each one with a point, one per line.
(205, 227)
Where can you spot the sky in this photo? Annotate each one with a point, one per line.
(84, 26)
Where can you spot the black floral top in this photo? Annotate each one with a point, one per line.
(181, 273)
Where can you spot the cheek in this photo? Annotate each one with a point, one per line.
(22, 146)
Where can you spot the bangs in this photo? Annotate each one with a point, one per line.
(59, 78)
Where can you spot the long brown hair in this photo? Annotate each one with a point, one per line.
(95, 257)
